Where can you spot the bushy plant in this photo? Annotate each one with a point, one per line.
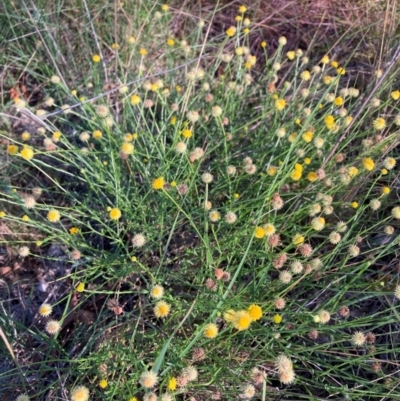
(227, 227)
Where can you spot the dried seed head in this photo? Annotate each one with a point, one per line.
(313, 335)
(370, 338)
(182, 381)
(138, 240)
(274, 240)
(182, 189)
(283, 363)
(280, 261)
(113, 305)
(305, 250)
(198, 354)
(191, 373)
(218, 273)
(344, 311)
(280, 303)
(285, 277)
(75, 255)
(377, 367)
(226, 276)
(358, 339)
(248, 391)
(211, 284)
(324, 316)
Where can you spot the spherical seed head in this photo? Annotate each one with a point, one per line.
(375, 204)
(148, 103)
(306, 250)
(344, 311)
(53, 216)
(226, 276)
(241, 320)
(148, 379)
(198, 153)
(231, 170)
(211, 284)
(53, 327)
(283, 363)
(191, 373)
(282, 40)
(353, 251)
(29, 202)
(157, 292)
(358, 339)
(138, 240)
(389, 230)
(313, 335)
(75, 255)
(193, 116)
(150, 397)
(102, 111)
(22, 397)
(341, 227)
(162, 309)
(248, 391)
(198, 354)
(316, 263)
(23, 251)
(182, 189)
(84, 136)
(210, 330)
(181, 147)
(55, 79)
(397, 291)
(280, 261)
(45, 310)
(166, 397)
(314, 209)
(280, 303)
(296, 266)
(396, 212)
(216, 111)
(285, 277)
(334, 237)
(250, 169)
(274, 240)
(377, 367)
(257, 376)
(246, 161)
(324, 316)
(370, 338)
(182, 381)
(287, 377)
(207, 178)
(230, 217)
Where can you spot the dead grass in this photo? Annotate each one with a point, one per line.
(314, 25)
